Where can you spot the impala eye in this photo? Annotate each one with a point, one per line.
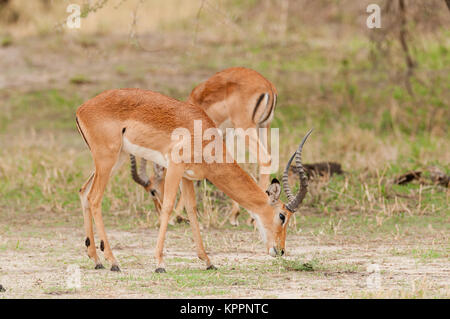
(283, 218)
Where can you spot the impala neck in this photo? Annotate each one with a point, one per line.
(239, 186)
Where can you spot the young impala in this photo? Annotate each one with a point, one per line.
(140, 122)
(236, 97)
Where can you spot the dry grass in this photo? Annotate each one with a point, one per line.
(332, 79)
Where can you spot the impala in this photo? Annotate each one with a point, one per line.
(120, 122)
(236, 97)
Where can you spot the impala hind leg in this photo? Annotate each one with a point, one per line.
(103, 171)
(234, 214)
(187, 189)
(88, 227)
(171, 183)
(177, 218)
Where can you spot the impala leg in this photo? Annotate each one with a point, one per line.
(187, 189)
(177, 218)
(234, 214)
(88, 227)
(191, 208)
(103, 171)
(171, 182)
(178, 208)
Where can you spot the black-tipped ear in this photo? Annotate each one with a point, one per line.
(275, 181)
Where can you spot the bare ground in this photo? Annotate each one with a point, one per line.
(36, 266)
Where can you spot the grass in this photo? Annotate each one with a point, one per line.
(6, 41)
(351, 93)
(79, 79)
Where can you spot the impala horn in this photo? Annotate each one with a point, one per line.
(295, 201)
(139, 177)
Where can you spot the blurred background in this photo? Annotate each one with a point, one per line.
(377, 98)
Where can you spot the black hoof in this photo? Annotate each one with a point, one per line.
(180, 220)
(2, 289)
(160, 270)
(211, 267)
(115, 268)
(99, 266)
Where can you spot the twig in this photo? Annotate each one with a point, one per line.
(133, 36)
(197, 19)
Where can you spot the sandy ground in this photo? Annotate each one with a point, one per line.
(40, 267)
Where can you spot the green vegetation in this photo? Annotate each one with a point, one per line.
(346, 82)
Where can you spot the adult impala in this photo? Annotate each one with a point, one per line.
(235, 97)
(140, 122)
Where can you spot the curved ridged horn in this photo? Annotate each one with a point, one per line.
(295, 201)
(141, 178)
(284, 180)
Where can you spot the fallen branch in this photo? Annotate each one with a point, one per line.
(320, 169)
(407, 178)
(436, 176)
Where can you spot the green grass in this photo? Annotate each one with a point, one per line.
(79, 79)
(363, 115)
(6, 41)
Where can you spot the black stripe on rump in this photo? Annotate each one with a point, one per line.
(257, 106)
(82, 134)
(270, 112)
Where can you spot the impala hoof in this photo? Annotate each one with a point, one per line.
(234, 222)
(211, 267)
(99, 266)
(160, 270)
(180, 219)
(234, 219)
(115, 268)
(2, 289)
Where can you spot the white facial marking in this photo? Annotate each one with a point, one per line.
(147, 153)
(259, 225)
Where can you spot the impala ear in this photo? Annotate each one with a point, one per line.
(274, 191)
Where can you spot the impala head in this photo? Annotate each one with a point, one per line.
(154, 185)
(274, 226)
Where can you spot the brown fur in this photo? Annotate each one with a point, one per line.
(147, 119)
(233, 94)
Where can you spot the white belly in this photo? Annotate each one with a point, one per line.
(143, 152)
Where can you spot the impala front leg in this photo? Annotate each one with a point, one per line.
(171, 183)
(187, 189)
